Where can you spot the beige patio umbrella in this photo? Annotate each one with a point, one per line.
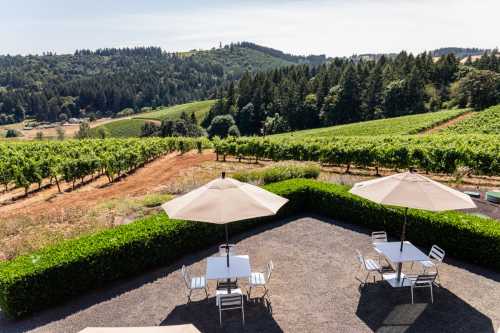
(222, 201)
(188, 328)
(411, 190)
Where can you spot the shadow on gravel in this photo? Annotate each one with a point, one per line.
(385, 309)
(204, 315)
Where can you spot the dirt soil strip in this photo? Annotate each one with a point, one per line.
(448, 123)
(143, 181)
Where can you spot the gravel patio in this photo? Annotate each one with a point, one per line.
(313, 289)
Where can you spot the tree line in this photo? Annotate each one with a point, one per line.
(101, 83)
(346, 91)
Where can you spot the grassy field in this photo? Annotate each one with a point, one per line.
(121, 128)
(174, 112)
(482, 122)
(132, 127)
(401, 125)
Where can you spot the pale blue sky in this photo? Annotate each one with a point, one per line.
(335, 27)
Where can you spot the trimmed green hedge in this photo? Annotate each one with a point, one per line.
(52, 275)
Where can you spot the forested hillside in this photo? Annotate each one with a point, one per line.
(343, 91)
(104, 82)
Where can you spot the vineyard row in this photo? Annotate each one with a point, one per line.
(479, 154)
(24, 164)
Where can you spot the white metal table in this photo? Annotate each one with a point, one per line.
(239, 267)
(391, 250)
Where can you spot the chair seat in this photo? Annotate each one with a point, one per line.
(372, 265)
(257, 279)
(198, 282)
(427, 264)
(219, 292)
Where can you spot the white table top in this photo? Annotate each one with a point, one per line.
(239, 267)
(410, 252)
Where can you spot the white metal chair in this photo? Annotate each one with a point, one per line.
(436, 254)
(219, 292)
(195, 283)
(378, 237)
(420, 281)
(370, 266)
(260, 280)
(232, 301)
(223, 247)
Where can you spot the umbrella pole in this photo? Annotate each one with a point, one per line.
(400, 265)
(227, 246)
(403, 232)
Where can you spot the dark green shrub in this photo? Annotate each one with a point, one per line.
(49, 276)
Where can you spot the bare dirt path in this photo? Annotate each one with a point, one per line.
(449, 123)
(141, 182)
(47, 217)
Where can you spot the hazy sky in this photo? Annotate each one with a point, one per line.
(335, 28)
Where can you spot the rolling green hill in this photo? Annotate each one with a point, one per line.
(174, 112)
(132, 127)
(121, 128)
(482, 122)
(391, 126)
(240, 57)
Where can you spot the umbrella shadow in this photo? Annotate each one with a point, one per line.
(385, 309)
(204, 315)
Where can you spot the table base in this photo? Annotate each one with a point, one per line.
(391, 278)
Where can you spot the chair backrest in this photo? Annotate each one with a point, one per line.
(379, 237)
(270, 267)
(436, 253)
(230, 301)
(361, 259)
(222, 250)
(185, 276)
(425, 279)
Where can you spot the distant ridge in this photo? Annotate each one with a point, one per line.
(459, 52)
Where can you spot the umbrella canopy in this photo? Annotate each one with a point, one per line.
(162, 329)
(224, 200)
(411, 190)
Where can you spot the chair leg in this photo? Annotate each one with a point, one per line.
(437, 275)
(249, 292)
(189, 295)
(432, 295)
(206, 292)
(220, 317)
(411, 295)
(265, 291)
(243, 314)
(367, 276)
